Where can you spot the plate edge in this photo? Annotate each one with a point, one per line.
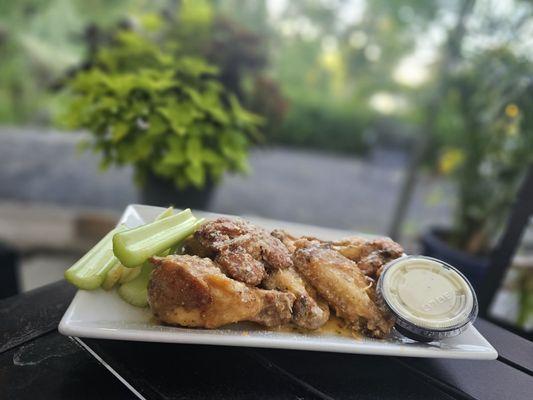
(91, 332)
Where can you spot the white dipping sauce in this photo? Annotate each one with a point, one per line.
(428, 296)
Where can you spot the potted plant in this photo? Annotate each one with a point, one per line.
(489, 135)
(164, 113)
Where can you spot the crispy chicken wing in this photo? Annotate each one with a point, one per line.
(192, 246)
(293, 243)
(244, 251)
(369, 254)
(192, 291)
(308, 310)
(338, 280)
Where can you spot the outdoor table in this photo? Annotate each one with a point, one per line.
(37, 362)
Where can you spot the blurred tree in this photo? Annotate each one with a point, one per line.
(387, 32)
(336, 62)
(240, 53)
(490, 145)
(337, 56)
(36, 50)
(485, 45)
(449, 59)
(39, 40)
(252, 14)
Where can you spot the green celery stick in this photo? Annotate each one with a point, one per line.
(89, 271)
(135, 292)
(167, 213)
(134, 246)
(120, 273)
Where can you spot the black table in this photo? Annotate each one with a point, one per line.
(36, 362)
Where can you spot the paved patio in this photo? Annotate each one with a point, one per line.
(296, 185)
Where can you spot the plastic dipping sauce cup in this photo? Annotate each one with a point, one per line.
(431, 299)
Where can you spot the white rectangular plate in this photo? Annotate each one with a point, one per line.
(103, 315)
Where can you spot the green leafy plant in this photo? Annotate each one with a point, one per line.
(488, 128)
(164, 113)
(327, 126)
(240, 53)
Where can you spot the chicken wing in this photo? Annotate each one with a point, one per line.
(340, 282)
(293, 243)
(308, 311)
(243, 251)
(192, 246)
(192, 291)
(369, 254)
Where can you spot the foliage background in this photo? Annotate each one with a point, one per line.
(340, 75)
(324, 73)
(151, 105)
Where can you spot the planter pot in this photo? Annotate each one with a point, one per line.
(473, 267)
(163, 193)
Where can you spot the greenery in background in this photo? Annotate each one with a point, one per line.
(309, 70)
(487, 129)
(240, 53)
(39, 40)
(329, 69)
(165, 113)
(306, 78)
(298, 65)
(327, 126)
(525, 316)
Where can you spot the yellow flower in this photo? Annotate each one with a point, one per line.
(332, 60)
(512, 110)
(450, 160)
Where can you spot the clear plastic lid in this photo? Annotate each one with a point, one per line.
(430, 298)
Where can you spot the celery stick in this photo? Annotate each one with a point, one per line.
(113, 276)
(120, 273)
(134, 246)
(167, 213)
(130, 274)
(135, 292)
(90, 270)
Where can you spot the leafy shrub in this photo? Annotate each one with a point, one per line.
(487, 127)
(164, 114)
(240, 54)
(324, 126)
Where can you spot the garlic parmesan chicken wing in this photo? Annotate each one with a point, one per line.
(293, 243)
(369, 254)
(298, 279)
(192, 291)
(340, 282)
(244, 251)
(308, 311)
